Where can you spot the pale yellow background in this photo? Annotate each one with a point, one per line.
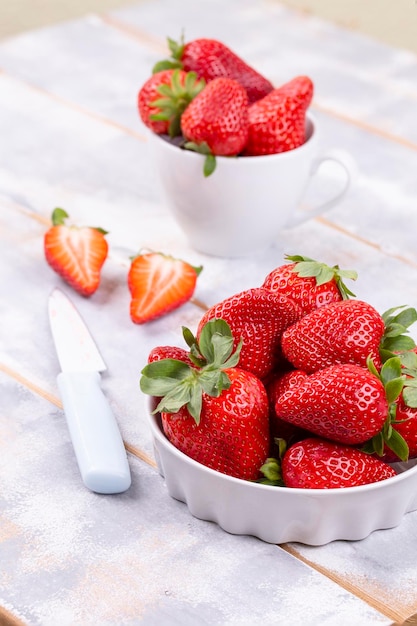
(391, 21)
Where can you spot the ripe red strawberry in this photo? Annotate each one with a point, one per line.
(163, 98)
(276, 387)
(159, 284)
(210, 59)
(318, 464)
(348, 331)
(232, 436)
(258, 318)
(310, 283)
(217, 415)
(77, 254)
(216, 121)
(277, 122)
(345, 403)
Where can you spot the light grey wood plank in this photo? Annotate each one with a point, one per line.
(71, 137)
(75, 557)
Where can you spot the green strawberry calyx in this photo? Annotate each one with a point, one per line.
(394, 379)
(174, 99)
(309, 268)
(177, 50)
(271, 469)
(409, 364)
(203, 148)
(178, 384)
(396, 341)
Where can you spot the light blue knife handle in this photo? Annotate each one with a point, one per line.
(95, 436)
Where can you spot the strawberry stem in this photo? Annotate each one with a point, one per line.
(177, 51)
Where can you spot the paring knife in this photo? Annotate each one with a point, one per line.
(96, 438)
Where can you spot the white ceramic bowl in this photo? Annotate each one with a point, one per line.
(279, 514)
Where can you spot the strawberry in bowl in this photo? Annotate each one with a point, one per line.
(234, 154)
(282, 453)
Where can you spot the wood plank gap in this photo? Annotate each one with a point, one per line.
(136, 33)
(11, 204)
(9, 619)
(379, 605)
(46, 395)
(141, 455)
(204, 307)
(76, 107)
(369, 128)
(371, 244)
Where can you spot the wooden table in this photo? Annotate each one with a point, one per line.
(70, 136)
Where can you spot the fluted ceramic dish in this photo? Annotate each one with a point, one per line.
(279, 514)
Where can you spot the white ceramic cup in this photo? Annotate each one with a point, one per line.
(243, 206)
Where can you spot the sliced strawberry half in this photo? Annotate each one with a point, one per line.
(159, 284)
(76, 253)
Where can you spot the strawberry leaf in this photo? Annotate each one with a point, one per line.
(396, 340)
(393, 389)
(406, 317)
(59, 216)
(189, 338)
(194, 354)
(160, 377)
(391, 369)
(392, 379)
(176, 48)
(271, 471)
(177, 51)
(398, 445)
(371, 367)
(376, 444)
(394, 329)
(203, 148)
(410, 395)
(216, 340)
(214, 382)
(400, 343)
(209, 165)
(179, 396)
(194, 405)
(408, 360)
(309, 268)
(166, 64)
(282, 446)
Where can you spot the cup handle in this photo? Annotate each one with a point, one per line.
(348, 165)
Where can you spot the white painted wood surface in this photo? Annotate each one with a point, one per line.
(70, 136)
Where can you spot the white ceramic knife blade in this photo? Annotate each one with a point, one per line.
(98, 445)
